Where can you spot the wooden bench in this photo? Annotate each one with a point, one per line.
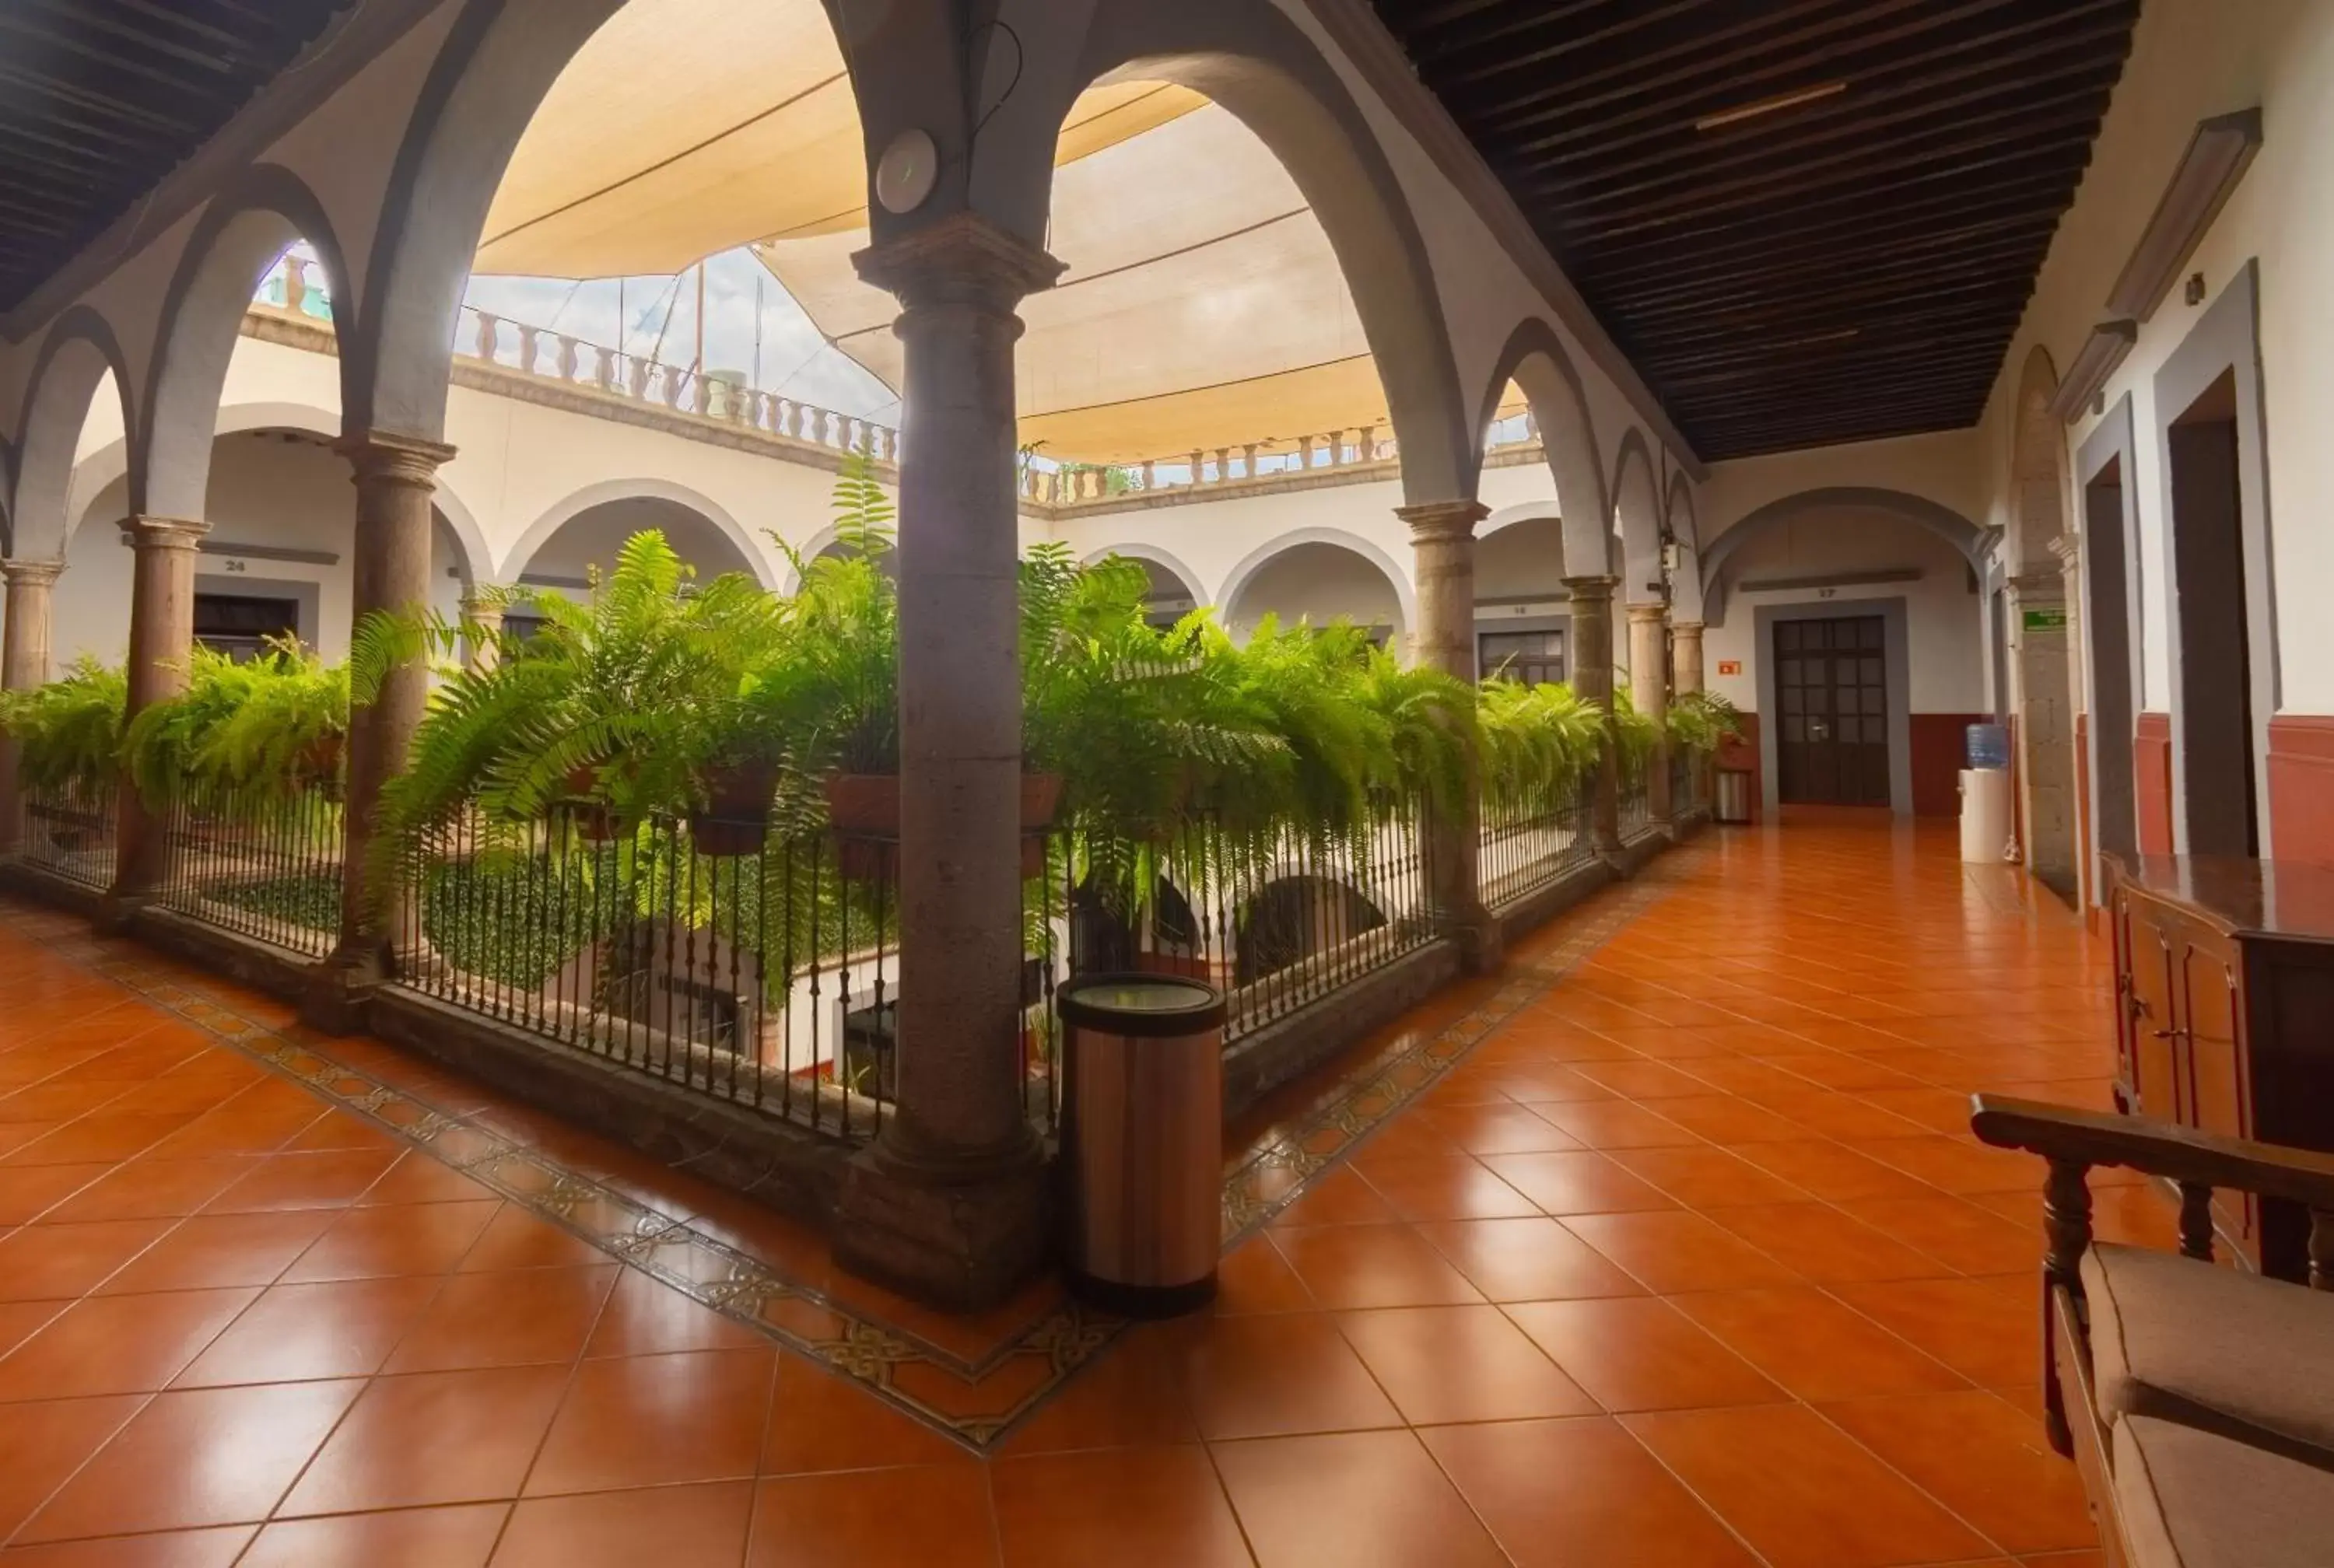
(2196, 1399)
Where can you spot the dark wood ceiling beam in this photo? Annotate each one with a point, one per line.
(1875, 66)
(1898, 166)
(1706, 289)
(1851, 169)
(1657, 290)
(2036, 76)
(1784, 245)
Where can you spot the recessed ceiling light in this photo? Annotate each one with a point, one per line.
(1780, 101)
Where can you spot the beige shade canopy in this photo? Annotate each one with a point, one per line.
(1203, 306)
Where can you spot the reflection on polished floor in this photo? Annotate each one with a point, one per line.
(1667, 1246)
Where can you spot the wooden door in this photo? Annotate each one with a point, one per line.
(2214, 1066)
(1831, 682)
(2156, 1067)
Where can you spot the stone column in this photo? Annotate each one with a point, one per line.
(480, 619)
(395, 476)
(949, 1203)
(2038, 644)
(24, 666)
(1442, 535)
(1685, 656)
(161, 642)
(1649, 690)
(1686, 677)
(1590, 654)
(2068, 548)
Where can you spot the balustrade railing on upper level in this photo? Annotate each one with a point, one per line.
(295, 287)
(1350, 450)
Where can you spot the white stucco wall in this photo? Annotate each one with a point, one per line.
(2193, 59)
(1944, 623)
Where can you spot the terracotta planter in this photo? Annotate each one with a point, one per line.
(735, 815)
(593, 823)
(863, 813)
(318, 764)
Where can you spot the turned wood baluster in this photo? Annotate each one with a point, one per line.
(530, 344)
(490, 336)
(1305, 451)
(1223, 464)
(603, 368)
(1195, 467)
(2066, 1235)
(1248, 461)
(2322, 1250)
(2197, 1221)
(639, 379)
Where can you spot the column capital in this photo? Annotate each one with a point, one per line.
(1431, 521)
(400, 459)
(960, 259)
(1592, 590)
(1649, 614)
(30, 574)
(165, 532)
(1686, 626)
(2040, 587)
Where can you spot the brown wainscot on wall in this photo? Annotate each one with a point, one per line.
(2151, 772)
(2301, 787)
(1940, 743)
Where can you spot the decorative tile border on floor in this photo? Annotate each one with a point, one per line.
(973, 1400)
(1275, 1171)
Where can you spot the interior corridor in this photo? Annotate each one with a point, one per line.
(1684, 1201)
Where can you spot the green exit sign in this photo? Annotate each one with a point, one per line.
(2052, 618)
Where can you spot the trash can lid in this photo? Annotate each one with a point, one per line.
(1139, 1003)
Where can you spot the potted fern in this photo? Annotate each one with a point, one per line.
(67, 741)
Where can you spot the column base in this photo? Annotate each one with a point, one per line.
(339, 997)
(961, 1240)
(117, 907)
(1483, 940)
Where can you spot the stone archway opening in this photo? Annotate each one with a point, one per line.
(1317, 583)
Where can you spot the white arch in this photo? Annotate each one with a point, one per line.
(756, 558)
(1543, 510)
(1237, 579)
(1638, 519)
(1134, 550)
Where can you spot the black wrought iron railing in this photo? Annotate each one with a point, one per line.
(269, 869)
(1526, 839)
(1277, 918)
(763, 969)
(754, 966)
(1636, 810)
(69, 833)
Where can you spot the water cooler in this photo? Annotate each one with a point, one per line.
(1986, 829)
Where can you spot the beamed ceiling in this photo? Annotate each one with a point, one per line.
(100, 99)
(1806, 221)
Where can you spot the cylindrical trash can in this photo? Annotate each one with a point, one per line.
(1143, 1139)
(1985, 816)
(1734, 803)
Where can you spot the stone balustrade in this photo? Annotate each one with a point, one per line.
(1353, 454)
(1357, 450)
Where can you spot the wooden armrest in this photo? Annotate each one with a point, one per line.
(2065, 1135)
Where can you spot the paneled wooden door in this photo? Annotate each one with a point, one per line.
(1831, 680)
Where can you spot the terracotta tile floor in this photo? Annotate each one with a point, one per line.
(1688, 1261)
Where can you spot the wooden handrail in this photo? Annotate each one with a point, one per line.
(2061, 1133)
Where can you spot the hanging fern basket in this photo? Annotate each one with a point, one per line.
(862, 815)
(735, 815)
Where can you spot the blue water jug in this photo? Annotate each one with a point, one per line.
(1989, 745)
